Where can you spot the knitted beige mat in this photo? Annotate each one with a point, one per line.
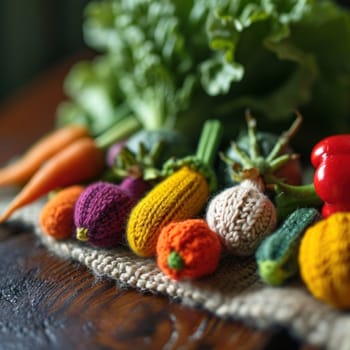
(233, 291)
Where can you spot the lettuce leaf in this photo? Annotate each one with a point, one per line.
(175, 63)
(276, 56)
(149, 48)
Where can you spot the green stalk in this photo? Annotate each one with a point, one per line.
(175, 261)
(285, 138)
(280, 161)
(119, 131)
(252, 137)
(209, 141)
(245, 160)
(82, 234)
(203, 160)
(288, 198)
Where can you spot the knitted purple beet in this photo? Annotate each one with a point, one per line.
(102, 209)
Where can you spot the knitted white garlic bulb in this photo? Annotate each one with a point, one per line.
(242, 216)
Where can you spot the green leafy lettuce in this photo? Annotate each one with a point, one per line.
(174, 63)
(280, 55)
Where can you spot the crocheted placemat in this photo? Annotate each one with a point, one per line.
(233, 291)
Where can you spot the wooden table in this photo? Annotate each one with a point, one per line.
(48, 303)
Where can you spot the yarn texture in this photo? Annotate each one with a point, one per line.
(277, 255)
(135, 187)
(57, 216)
(242, 215)
(180, 196)
(324, 258)
(197, 249)
(100, 214)
(233, 291)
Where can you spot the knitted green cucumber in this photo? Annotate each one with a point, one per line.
(277, 254)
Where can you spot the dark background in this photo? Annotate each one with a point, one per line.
(34, 34)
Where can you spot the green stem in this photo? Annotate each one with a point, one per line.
(280, 161)
(209, 141)
(297, 191)
(285, 138)
(157, 150)
(245, 160)
(252, 136)
(203, 160)
(288, 198)
(141, 163)
(119, 131)
(82, 234)
(175, 261)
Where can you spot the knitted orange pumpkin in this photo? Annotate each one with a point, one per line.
(188, 249)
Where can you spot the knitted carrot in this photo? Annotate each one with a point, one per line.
(188, 249)
(80, 161)
(21, 170)
(324, 257)
(180, 196)
(57, 215)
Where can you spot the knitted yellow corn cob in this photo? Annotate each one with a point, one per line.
(324, 260)
(180, 196)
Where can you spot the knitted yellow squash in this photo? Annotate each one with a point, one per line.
(324, 259)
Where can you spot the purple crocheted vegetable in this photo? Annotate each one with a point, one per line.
(102, 209)
(113, 152)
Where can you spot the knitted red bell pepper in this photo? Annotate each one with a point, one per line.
(331, 159)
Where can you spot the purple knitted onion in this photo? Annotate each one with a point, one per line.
(100, 214)
(113, 151)
(136, 187)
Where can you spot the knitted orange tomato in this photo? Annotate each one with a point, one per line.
(324, 257)
(188, 249)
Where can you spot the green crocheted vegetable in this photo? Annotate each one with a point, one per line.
(277, 255)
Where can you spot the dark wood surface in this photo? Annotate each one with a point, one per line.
(49, 303)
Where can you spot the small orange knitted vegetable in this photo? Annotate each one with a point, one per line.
(20, 171)
(80, 161)
(57, 215)
(181, 196)
(324, 259)
(188, 249)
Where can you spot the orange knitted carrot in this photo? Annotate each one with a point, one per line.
(57, 215)
(20, 171)
(80, 161)
(188, 249)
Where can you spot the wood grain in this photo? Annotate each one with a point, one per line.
(49, 303)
